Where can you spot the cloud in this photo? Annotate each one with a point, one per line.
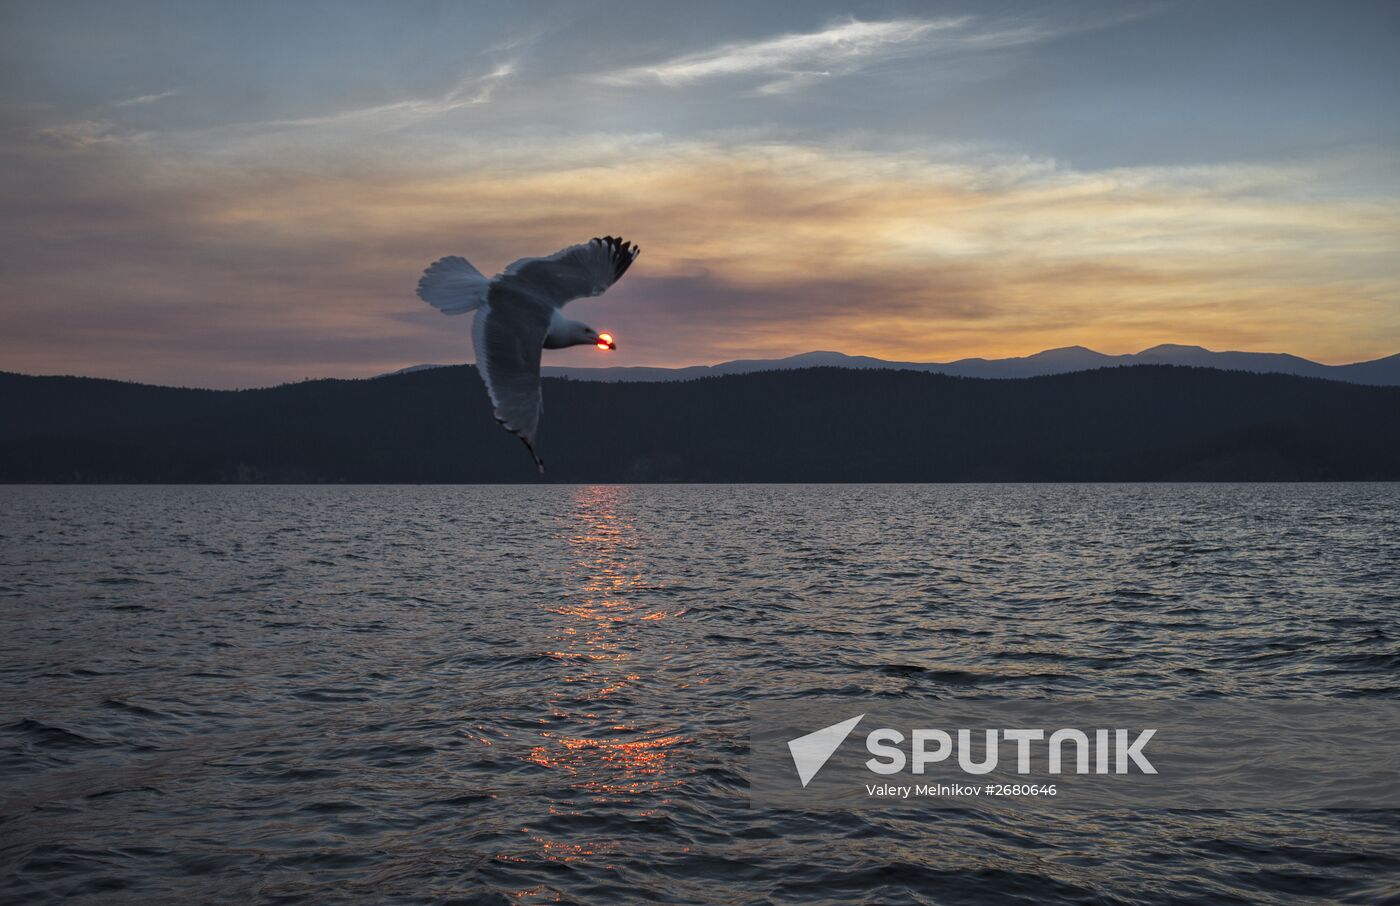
(788, 62)
(86, 133)
(141, 261)
(145, 99)
(844, 46)
(470, 91)
(245, 138)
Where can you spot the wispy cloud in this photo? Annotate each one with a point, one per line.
(87, 133)
(99, 125)
(788, 62)
(144, 99)
(794, 58)
(105, 126)
(470, 91)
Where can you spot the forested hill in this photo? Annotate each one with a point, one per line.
(1143, 423)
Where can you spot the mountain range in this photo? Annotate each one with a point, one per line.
(1139, 423)
(1066, 359)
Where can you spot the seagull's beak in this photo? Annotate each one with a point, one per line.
(605, 341)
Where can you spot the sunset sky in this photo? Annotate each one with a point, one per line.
(232, 195)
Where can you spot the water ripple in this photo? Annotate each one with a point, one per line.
(539, 694)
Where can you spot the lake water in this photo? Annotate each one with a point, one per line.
(541, 694)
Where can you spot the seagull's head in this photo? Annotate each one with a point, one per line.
(603, 341)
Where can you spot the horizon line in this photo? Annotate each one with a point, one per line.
(779, 358)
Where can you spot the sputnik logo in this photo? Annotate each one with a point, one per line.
(810, 752)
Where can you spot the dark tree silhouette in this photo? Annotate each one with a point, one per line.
(1145, 423)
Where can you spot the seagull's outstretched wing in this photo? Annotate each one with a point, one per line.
(508, 338)
(577, 271)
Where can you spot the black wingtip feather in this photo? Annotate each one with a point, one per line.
(539, 463)
(622, 254)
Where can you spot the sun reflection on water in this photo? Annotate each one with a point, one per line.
(606, 633)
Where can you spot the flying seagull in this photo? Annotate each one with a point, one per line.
(519, 312)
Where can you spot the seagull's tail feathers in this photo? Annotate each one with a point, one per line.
(453, 286)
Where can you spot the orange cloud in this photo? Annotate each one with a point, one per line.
(245, 272)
